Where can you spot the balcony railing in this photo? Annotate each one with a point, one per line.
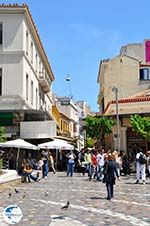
(44, 81)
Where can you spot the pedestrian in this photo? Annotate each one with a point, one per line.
(148, 164)
(81, 162)
(88, 162)
(45, 169)
(140, 166)
(118, 160)
(70, 163)
(125, 165)
(110, 174)
(100, 164)
(51, 162)
(93, 164)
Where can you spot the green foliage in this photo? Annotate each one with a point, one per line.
(141, 125)
(98, 126)
(90, 142)
(2, 134)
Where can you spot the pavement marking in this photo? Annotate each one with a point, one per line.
(131, 203)
(102, 192)
(83, 190)
(130, 219)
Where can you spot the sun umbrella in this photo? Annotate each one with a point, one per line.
(19, 143)
(56, 144)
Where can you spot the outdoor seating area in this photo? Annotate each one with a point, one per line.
(17, 154)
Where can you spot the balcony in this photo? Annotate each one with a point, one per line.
(45, 82)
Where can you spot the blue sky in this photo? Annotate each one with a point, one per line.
(77, 34)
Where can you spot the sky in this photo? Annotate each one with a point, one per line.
(77, 34)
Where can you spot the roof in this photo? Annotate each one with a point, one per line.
(139, 97)
(24, 8)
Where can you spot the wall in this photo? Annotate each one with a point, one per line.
(123, 73)
(36, 130)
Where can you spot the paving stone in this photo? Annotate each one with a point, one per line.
(88, 204)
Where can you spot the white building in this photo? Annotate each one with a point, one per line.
(25, 77)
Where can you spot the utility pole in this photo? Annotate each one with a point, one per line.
(115, 89)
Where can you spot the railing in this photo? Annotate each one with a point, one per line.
(45, 76)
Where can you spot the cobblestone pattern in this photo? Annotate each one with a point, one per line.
(88, 205)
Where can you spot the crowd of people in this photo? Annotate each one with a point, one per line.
(30, 168)
(98, 165)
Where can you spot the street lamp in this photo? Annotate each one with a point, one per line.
(115, 89)
(70, 90)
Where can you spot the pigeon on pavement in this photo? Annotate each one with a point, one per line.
(16, 190)
(10, 194)
(66, 206)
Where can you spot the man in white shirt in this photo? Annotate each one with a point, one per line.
(100, 164)
(140, 167)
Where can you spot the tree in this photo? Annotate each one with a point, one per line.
(2, 134)
(141, 125)
(90, 142)
(97, 127)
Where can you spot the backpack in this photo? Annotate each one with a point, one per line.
(142, 159)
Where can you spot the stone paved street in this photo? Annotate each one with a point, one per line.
(88, 204)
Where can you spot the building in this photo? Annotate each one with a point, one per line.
(69, 116)
(25, 77)
(129, 72)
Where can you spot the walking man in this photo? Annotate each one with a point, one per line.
(140, 166)
(110, 174)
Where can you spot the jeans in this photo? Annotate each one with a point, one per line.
(90, 169)
(99, 172)
(110, 190)
(45, 168)
(70, 169)
(29, 176)
(33, 177)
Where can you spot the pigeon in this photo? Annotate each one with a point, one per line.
(66, 206)
(10, 194)
(16, 190)
(23, 196)
(46, 193)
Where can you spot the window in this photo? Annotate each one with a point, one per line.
(144, 74)
(0, 81)
(27, 86)
(61, 125)
(36, 62)
(31, 92)
(31, 52)
(39, 68)
(1, 33)
(27, 42)
(36, 98)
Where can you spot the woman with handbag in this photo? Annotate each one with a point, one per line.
(110, 173)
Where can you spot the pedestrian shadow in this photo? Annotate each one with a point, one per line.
(133, 183)
(97, 197)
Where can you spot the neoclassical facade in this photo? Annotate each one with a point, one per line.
(25, 77)
(129, 73)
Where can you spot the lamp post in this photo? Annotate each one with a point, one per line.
(70, 90)
(115, 89)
